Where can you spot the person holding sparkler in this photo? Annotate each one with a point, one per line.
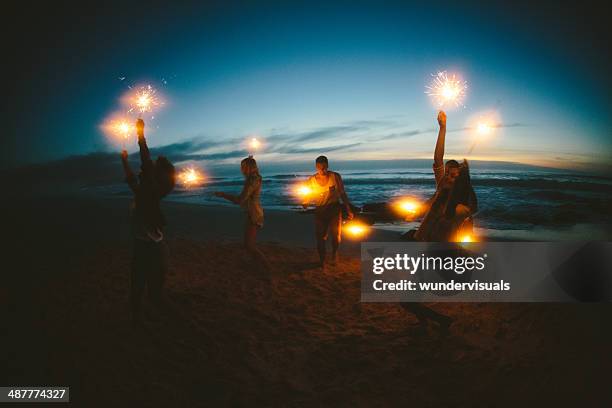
(249, 200)
(327, 191)
(154, 182)
(446, 213)
(454, 200)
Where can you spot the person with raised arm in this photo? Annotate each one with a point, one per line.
(454, 201)
(149, 259)
(451, 206)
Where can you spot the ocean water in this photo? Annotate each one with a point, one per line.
(514, 203)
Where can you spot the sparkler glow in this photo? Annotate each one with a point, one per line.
(145, 99)
(303, 190)
(254, 144)
(355, 229)
(191, 177)
(466, 238)
(119, 128)
(447, 91)
(407, 206)
(483, 126)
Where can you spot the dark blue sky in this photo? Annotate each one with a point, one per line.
(346, 78)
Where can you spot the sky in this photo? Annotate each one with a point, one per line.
(345, 79)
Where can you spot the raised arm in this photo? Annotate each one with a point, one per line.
(343, 196)
(145, 155)
(130, 177)
(439, 152)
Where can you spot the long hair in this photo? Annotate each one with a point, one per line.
(461, 192)
(165, 175)
(251, 166)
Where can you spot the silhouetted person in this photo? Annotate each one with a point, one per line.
(445, 213)
(454, 200)
(327, 191)
(149, 261)
(249, 200)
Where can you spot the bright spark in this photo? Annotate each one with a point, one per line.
(303, 190)
(145, 99)
(254, 143)
(118, 127)
(190, 177)
(123, 128)
(484, 128)
(408, 206)
(446, 90)
(356, 229)
(466, 238)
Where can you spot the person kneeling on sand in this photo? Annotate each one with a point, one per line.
(149, 261)
(249, 200)
(328, 190)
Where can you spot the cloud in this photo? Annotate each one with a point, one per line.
(104, 167)
(322, 149)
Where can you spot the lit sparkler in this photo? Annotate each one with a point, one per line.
(356, 229)
(191, 177)
(482, 127)
(447, 90)
(119, 128)
(407, 206)
(466, 238)
(303, 190)
(144, 99)
(254, 144)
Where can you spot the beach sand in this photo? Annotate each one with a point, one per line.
(235, 336)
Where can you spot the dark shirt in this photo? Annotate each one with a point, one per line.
(439, 223)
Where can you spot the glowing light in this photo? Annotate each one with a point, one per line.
(466, 238)
(118, 128)
(356, 229)
(123, 128)
(447, 90)
(144, 99)
(484, 128)
(407, 206)
(303, 190)
(191, 177)
(254, 143)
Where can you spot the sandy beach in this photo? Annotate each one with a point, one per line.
(294, 337)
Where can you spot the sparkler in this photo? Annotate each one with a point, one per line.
(144, 99)
(407, 206)
(356, 229)
(482, 127)
(191, 177)
(254, 144)
(124, 129)
(466, 238)
(303, 190)
(120, 128)
(447, 91)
